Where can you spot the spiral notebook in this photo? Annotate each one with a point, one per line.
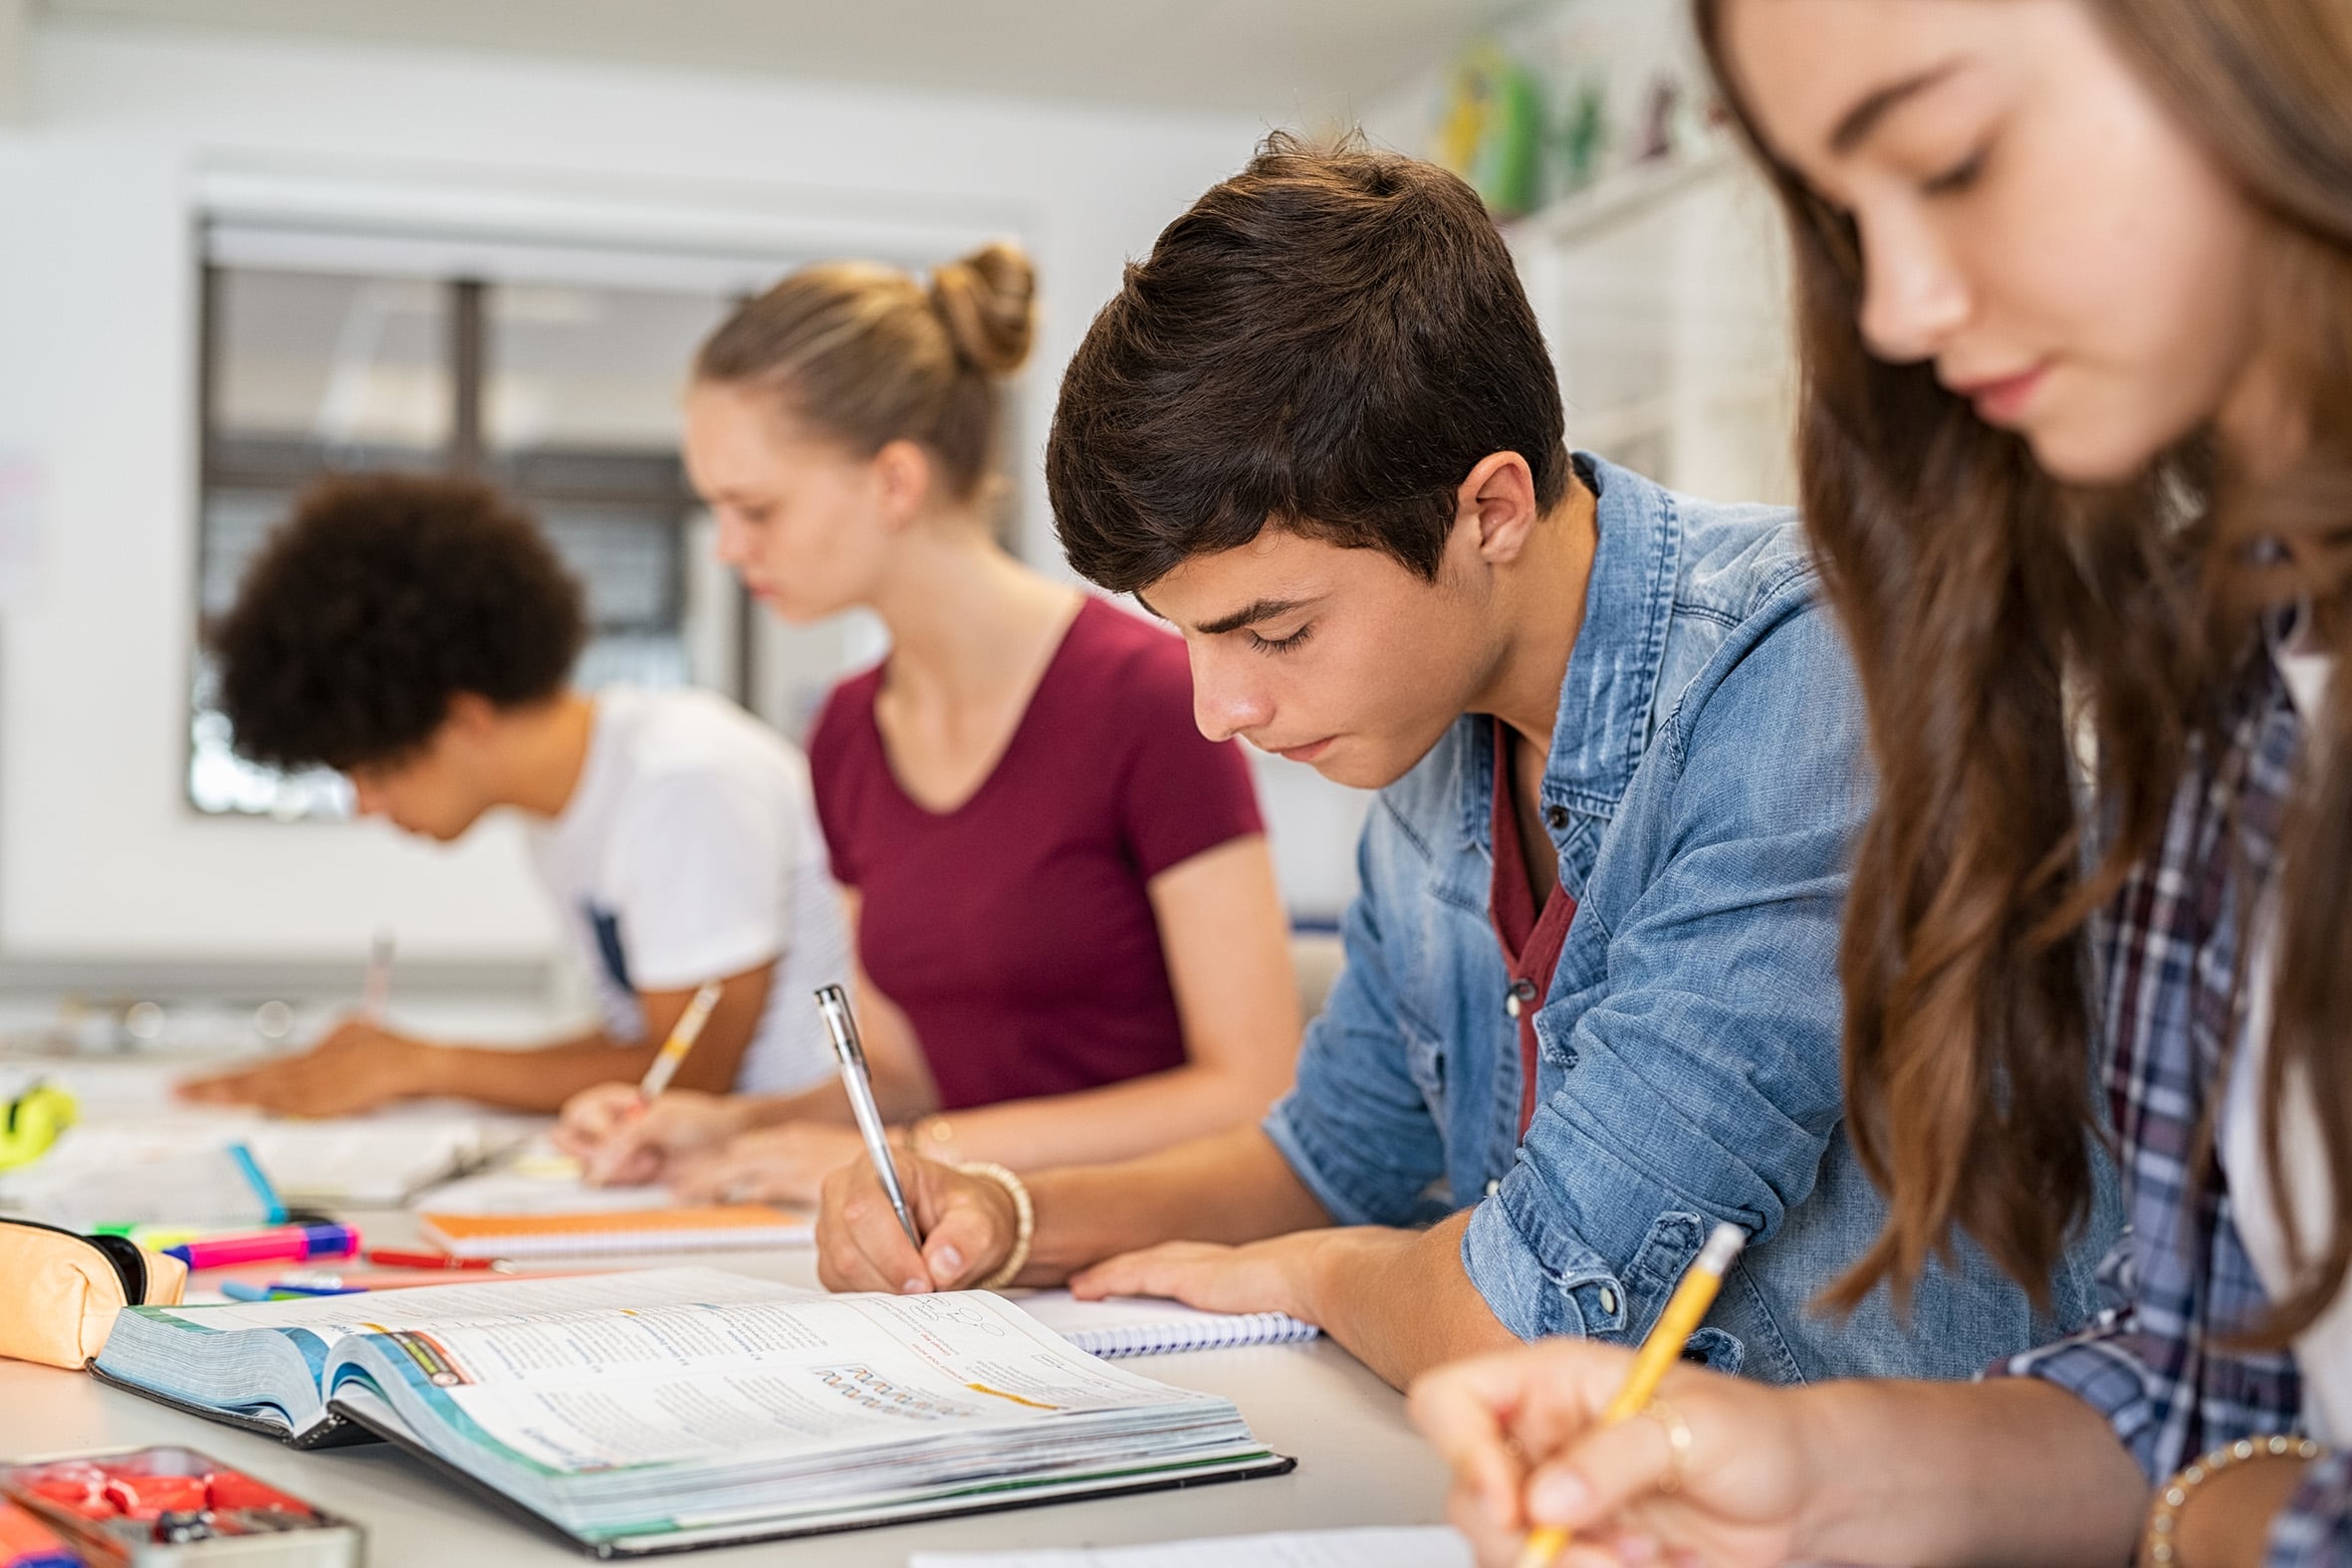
(708, 1230)
(1146, 1326)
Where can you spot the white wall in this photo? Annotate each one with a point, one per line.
(99, 856)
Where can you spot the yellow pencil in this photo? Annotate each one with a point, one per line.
(1657, 1356)
(682, 1037)
(663, 1068)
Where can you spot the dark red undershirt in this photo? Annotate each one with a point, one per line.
(1531, 942)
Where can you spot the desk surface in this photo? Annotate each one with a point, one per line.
(1360, 1461)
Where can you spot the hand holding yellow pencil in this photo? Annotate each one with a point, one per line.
(663, 1069)
(683, 1034)
(1658, 1354)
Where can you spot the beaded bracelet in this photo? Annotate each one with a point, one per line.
(1025, 1222)
(2164, 1514)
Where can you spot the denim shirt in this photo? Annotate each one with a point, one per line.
(1705, 787)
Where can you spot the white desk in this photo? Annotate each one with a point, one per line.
(1360, 1461)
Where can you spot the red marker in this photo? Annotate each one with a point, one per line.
(385, 1257)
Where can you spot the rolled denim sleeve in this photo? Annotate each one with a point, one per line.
(1699, 1052)
(1355, 1127)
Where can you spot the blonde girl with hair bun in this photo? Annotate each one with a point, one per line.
(1069, 943)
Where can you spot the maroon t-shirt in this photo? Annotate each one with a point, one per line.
(1014, 931)
(1531, 940)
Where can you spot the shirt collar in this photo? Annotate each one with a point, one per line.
(1603, 722)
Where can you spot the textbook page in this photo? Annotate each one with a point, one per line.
(1421, 1547)
(373, 1162)
(693, 1384)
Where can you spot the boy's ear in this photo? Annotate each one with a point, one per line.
(470, 713)
(1499, 497)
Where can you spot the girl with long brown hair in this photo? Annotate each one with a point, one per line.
(2075, 309)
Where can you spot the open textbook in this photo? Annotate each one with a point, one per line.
(688, 1407)
(134, 1169)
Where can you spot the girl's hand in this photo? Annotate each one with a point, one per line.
(1520, 1431)
(969, 1227)
(621, 1140)
(774, 1165)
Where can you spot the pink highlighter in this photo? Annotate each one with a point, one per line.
(293, 1243)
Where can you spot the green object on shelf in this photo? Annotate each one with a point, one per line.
(32, 1123)
(1585, 135)
(1493, 135)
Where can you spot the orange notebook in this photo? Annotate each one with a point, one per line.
(710, 1229)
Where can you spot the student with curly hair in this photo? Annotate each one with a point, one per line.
(416, 634)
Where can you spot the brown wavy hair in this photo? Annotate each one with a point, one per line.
(1997, 616)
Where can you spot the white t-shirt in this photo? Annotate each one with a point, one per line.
(689, 852)
(2323, 1352)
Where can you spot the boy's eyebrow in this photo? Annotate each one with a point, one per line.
(1260, 609)
(1863, 118)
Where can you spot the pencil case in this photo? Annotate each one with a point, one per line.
(25, 1543)
(172, 1507)
(64, 1290)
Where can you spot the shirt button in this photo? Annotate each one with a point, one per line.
(1493, 1186)
(1556, 817)
(1516, 999)
(1608, 1301)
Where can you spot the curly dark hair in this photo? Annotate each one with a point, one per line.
(382, 597)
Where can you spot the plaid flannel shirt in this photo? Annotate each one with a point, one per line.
(2178, 1282)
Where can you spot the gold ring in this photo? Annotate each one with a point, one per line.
(1678, 1443)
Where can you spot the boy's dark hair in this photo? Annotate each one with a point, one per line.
(1329, 340)
(379, 599)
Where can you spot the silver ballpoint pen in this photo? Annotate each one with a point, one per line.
(833, 1003)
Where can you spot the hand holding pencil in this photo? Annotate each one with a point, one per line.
(1566, 1449)
(604, 1164)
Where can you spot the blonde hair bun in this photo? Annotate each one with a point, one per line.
(988, 301)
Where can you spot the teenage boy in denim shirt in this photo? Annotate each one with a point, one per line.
(1590, 1003)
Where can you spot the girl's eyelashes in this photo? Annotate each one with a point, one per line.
(1959, 177)
(1280, 645)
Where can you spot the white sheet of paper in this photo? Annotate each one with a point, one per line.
(512, 1192)
(1432, 1546)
